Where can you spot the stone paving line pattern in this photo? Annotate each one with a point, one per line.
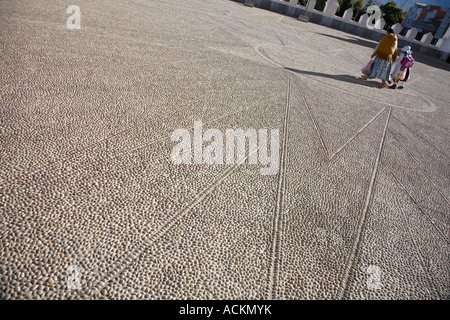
(358, 210)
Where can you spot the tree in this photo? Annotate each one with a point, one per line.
(359, 9)
(391, 13)
(344, 5)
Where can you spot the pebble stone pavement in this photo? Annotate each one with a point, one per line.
(88, 191)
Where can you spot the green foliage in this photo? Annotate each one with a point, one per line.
(344, 5)
(360, 13)
(391, 13)
(358, 9)
(358, 4)
(320, 5)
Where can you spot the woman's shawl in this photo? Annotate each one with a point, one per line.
(387, 48)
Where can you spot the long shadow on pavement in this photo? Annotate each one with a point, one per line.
(339, 77)
(420, 57)
(353, 40)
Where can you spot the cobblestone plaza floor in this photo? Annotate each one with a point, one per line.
(92, 205)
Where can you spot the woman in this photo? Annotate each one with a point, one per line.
(384, 54)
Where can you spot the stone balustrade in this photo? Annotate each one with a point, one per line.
(411, 34)
(426, 38)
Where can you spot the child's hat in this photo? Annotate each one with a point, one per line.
(407, 49)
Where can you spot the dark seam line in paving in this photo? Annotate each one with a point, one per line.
(278, 37)
(316, 126)
(198, 199)
(362, 221)
(420, 256)
(356, 134)
(420, 167)
(276, 239)
(277, 220)
(78, 153)
(415, 133)
(164, 229)
(442, 233)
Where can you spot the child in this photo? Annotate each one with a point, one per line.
(402, 68)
